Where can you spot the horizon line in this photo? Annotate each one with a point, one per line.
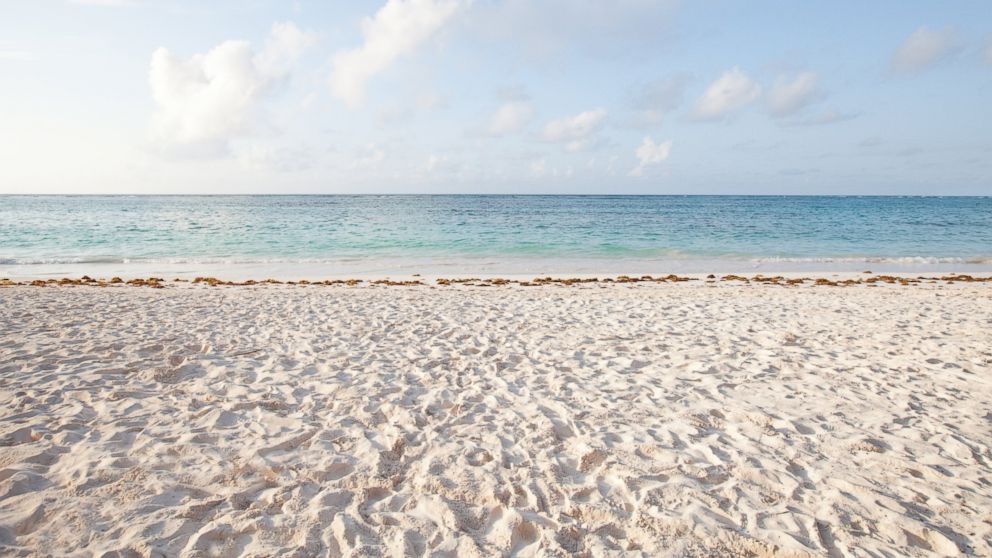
(411, 194)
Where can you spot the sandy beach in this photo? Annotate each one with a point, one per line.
(495, 278)
(675, 419)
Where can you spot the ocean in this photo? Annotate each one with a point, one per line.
(248, 236)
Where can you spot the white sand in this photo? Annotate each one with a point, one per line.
(668, 419)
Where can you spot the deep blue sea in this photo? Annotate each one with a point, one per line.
(340, 235)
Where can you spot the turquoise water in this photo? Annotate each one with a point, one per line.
(54, 234)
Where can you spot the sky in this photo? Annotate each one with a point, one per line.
(496, 96)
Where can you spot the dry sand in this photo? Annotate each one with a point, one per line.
(677, 419)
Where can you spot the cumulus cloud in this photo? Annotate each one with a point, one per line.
(396, 29)
(203, 101)
(925, 48)
(575, 131)
(730, 92)
(511, 117)
(650, 153)
(788, 97)
(285, 45)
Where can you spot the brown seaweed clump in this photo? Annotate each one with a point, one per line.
(449, 282)
(391, 283)
(966, 279)
(569, 281)
(499, 281)
(159, 283)
(153, 282)
(329, 282)
(212, 281)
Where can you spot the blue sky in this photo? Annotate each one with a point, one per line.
(516, 96)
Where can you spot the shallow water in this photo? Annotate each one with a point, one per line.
(490, 234)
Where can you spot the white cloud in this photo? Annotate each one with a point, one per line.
(924, 48)
(285, 45)
(396, 29)
(730, 92)
(650, 153)
(575, 131)
(787, 97)
(511, 117)
(204, 101)
(988, 52)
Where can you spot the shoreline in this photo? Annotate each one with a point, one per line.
(793, 279)
(482, 268)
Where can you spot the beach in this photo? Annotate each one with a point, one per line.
(705, 417)
(472, 279)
